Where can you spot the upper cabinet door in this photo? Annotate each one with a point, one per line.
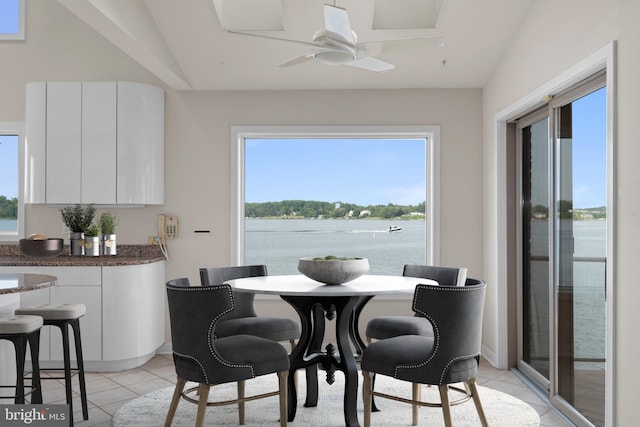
(140, 144)
(35, 141)
(99, 142)
(64, 150)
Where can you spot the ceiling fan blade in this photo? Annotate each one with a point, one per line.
(336, 20)
(371, 64)
(391, 46)
(266, 36)
(297, 60)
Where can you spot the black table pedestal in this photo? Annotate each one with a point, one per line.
(309, 355)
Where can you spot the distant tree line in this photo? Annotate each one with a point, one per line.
(8, 208)
(566, 211)
(316, 209)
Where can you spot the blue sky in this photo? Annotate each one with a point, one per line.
(360, 171)
(8, 166)
(589, 150)
(8, 16)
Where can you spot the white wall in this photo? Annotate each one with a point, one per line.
(197, 181)
(554, 37)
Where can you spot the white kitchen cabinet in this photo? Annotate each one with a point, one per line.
(35, 147)
(125, 319)
(64, 141)
(133, 308)
(140, 144)
(99, 131)
(94, 142)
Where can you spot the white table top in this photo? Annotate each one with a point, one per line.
(300, 285)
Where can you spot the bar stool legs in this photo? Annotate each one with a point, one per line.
(75, 327)
(64, 316)
(23, 330)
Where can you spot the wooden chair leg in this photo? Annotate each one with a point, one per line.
(177, 392)
(367, 396)
(446, 407)
(476, 400)
(203, 391)
(416, 395)
(282, 388)
(241, 388)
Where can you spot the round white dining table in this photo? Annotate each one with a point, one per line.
(314, 301)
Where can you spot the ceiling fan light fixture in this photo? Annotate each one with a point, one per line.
(335, 57)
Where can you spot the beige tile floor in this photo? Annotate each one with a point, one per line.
(108, 391)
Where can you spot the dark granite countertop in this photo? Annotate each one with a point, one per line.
(10, 256)
(11, 283)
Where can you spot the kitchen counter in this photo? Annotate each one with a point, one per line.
(11, 283)
(11, 256)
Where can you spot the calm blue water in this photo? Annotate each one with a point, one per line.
(279, 243)
(8, 224)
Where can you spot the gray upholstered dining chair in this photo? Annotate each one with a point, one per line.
(383, 327)
(243, 320)
(195, 312)
(451, 355)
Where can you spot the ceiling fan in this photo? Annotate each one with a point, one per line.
(337, 44)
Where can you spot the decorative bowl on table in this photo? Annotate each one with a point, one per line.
(332, 270)
(40, 247)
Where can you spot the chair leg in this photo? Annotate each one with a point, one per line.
(20, 345)
(75, 325)
(416, 395)
(203, 391)
(446, 407)
(177, 392)
(282, 389)
(36, 385)
(241, 388)
(476, 400)
(367, 389)
(67, 365)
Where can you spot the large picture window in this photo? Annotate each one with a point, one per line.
(308, 192)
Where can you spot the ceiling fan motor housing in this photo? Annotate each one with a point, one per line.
(342, 51)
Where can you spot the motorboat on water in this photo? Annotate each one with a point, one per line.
(394, 228)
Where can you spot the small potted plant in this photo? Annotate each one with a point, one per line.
(108, 222)
(92, 240)
(77, 219)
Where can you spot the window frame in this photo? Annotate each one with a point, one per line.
(20, 35)
(16, 128)
(431, 133)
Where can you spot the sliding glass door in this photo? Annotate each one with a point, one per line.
(563, 223)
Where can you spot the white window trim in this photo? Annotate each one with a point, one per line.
(16, 128)
(21, 23)
(432, 198)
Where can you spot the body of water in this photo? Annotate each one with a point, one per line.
(279, 243)
(8, 224)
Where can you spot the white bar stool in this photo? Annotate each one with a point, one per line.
(23, 330)
(62, 316)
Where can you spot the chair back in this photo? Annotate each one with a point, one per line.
(181, 282)
(456, 316)
(244, 301)
(445, 276)
(194, 312)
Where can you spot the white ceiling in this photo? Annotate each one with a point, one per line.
(183, 43)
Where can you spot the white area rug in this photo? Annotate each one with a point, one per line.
(502, 410)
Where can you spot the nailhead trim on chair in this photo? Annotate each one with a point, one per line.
(209, 335)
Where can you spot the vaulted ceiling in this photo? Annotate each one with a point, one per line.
(184, 43)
